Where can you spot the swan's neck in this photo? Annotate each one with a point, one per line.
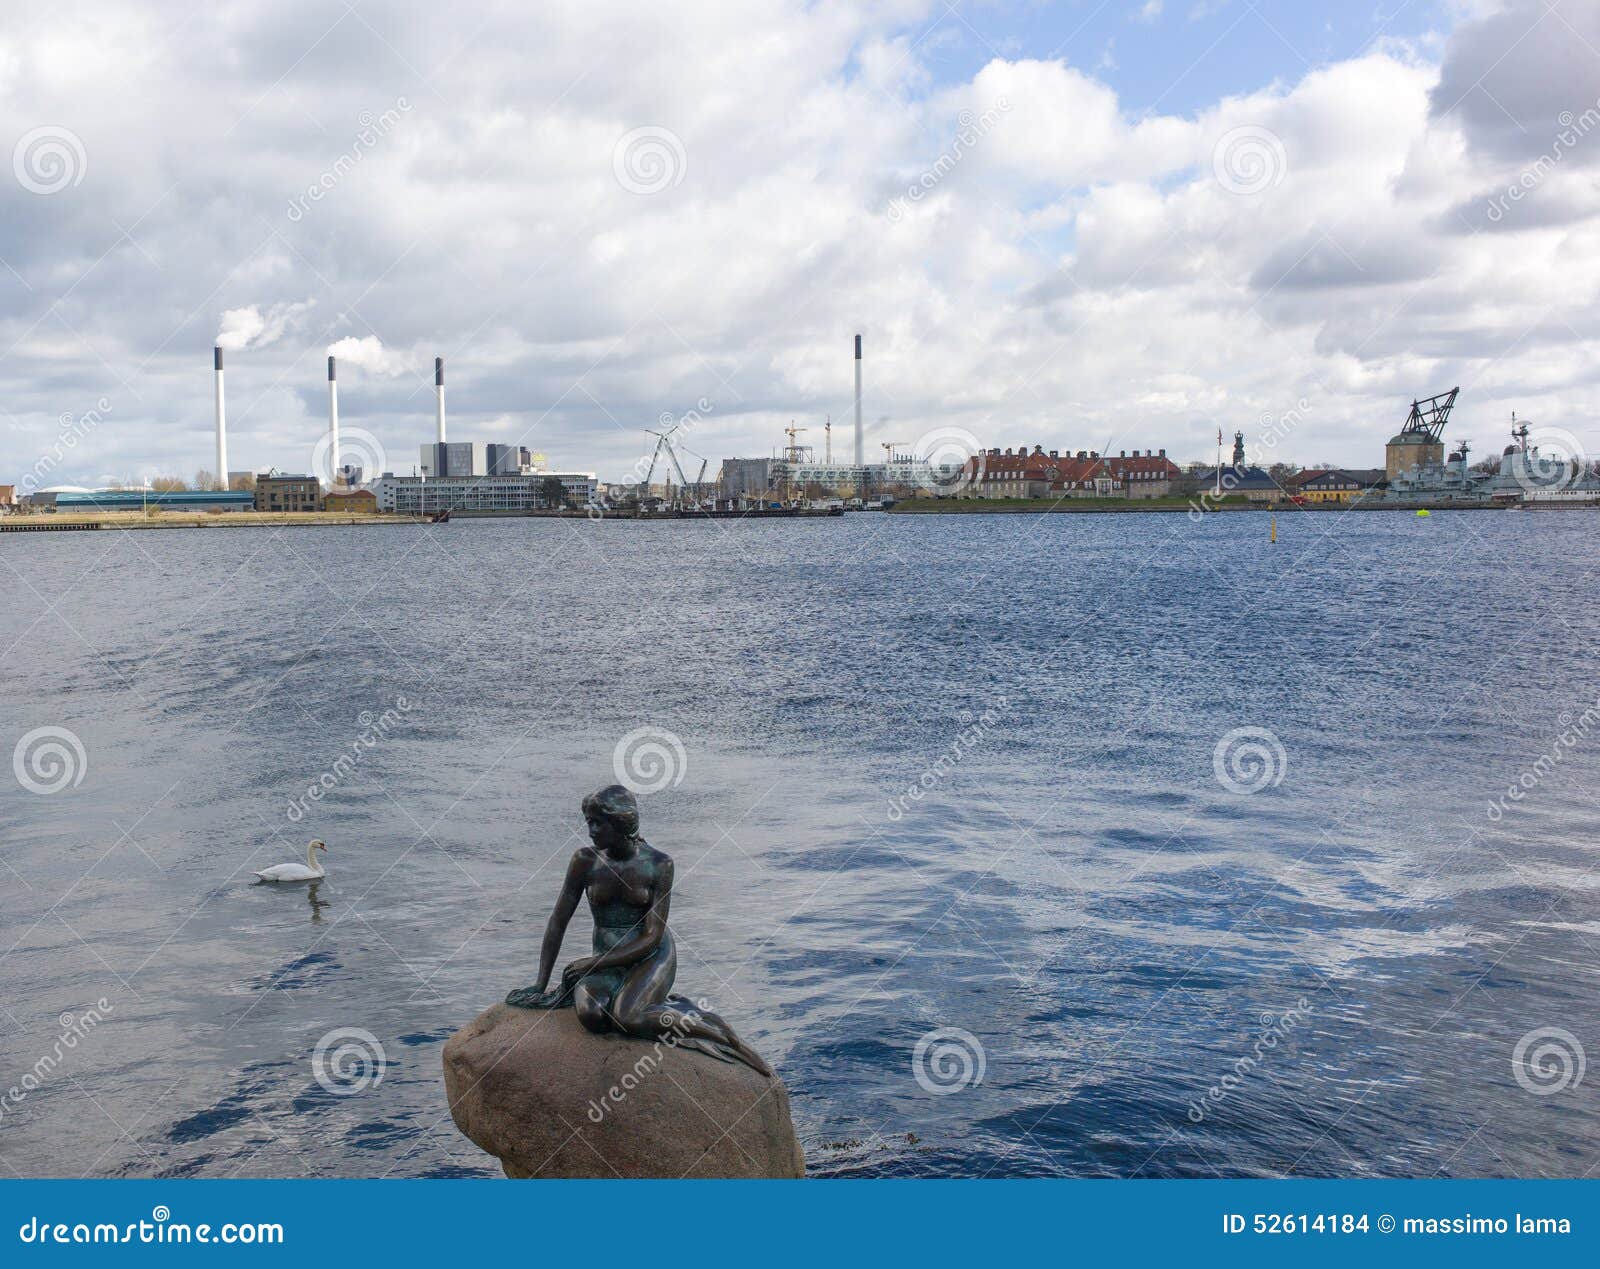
(311, 858)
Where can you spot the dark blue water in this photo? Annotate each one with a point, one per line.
(1155, 973)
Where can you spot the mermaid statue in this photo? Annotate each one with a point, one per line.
(624, 986)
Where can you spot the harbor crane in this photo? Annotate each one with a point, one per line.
(1431, 415)
(888, 450)
(665, 442)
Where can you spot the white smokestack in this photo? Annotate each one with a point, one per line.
(438, 395)
(222, 423)
(858, 401)
(333, 423)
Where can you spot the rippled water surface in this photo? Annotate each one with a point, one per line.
(1156, 973)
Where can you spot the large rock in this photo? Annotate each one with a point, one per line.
(550, 1099)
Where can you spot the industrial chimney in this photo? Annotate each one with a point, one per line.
(333, 425)
(222, 424)
(438, 395)
(858, 401)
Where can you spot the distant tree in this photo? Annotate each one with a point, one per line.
(1280, 472)
(168, 484)
(244, 481)
(206, 480)
(552, 492)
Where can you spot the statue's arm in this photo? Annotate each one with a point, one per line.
(566, 904)
(635, 949)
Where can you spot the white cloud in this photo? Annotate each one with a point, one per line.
(1077, 272)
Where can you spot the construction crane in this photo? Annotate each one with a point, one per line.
(888, 450)
(794, 453)
(827, 442)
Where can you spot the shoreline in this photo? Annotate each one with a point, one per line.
(1084, 506)
(55, 523)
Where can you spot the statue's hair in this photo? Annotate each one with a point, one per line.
(617, 804)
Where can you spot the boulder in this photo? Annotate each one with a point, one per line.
(551, 1099)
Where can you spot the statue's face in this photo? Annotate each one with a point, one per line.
(605, 832)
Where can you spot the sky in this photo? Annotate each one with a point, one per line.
(1079, 225)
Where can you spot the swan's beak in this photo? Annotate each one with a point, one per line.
(320, 845)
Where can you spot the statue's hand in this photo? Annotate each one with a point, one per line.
(573, 972)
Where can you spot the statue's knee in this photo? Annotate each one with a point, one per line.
(592, 1014)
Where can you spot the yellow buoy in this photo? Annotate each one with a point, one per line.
(1274, 528)
(1423, 511)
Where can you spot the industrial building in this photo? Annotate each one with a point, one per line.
(485, 495)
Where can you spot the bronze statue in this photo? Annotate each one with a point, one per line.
(624, 986)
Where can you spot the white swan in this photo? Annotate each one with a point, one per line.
(311, 870)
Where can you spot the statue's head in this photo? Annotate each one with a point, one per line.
(613, 816)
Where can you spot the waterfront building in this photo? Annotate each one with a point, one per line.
(277, 491)
(8, 498)
(143, 499)
(1148, 475)
(1236, 480)
(356, 501)
(1334, 484)
(486, 495)
(997, 473)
